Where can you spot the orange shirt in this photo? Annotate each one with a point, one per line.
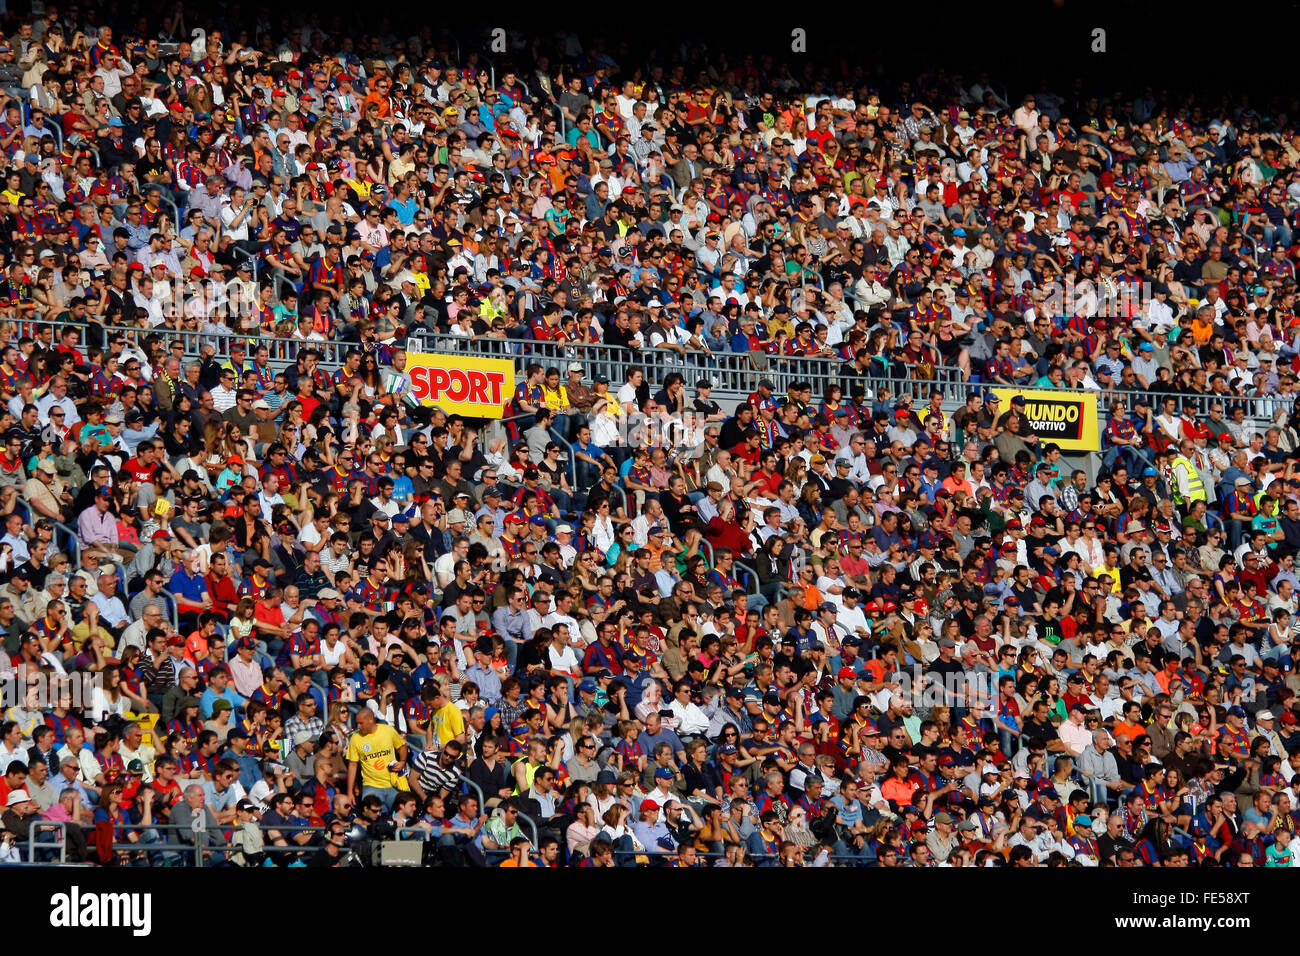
(1132, 730)
(379, 100)
(811, 598)
(952, 487)
(196, 647)
(900, 791)
(875, 670)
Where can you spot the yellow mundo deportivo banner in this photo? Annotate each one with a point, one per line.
(460, 384)
(1069, 419)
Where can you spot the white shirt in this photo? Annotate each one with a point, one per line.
(563, 660)
(825, 584)
(88, 765)
(693, 720)
(20, 754)
(603, 533)
(553, 619)
(48, 401)
(223, 399)
(852, 620)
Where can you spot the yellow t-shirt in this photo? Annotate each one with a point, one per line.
(447, 722)
(555, 400)
(374, 752)
(1111, 575)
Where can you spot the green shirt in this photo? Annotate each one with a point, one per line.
(496, 831)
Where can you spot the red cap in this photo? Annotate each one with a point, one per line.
(159, 534)
(514, 519)
(178, 107)
(278, 92)
(136, 267)
(890, 606)
(649, 805)
(847, 672)
(198, 272)
(176, 641)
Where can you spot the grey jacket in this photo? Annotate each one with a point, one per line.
(1101, 766)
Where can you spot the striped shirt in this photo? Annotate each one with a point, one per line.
(434, 778)
(332, 563)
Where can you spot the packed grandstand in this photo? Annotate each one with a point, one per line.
(419, 452)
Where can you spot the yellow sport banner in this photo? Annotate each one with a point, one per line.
(1069, 419)
(460, 384)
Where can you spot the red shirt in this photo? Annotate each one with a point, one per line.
(728, 534)
(743, 453)
(139, 472)
(222, 590)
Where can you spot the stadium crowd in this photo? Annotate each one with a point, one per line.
(633, 626)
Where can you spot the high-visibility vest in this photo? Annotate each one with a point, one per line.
(1195, 487)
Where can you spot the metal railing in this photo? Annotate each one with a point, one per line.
(68, 541)
(751, 576)
(47, 827)
(52, 850)
(731, 372)
(734, 375)
(1260, 412)
(173, 608)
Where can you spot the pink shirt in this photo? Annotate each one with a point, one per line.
(246, 677)
(1074, 736)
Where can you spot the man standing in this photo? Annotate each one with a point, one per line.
(378, 752)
